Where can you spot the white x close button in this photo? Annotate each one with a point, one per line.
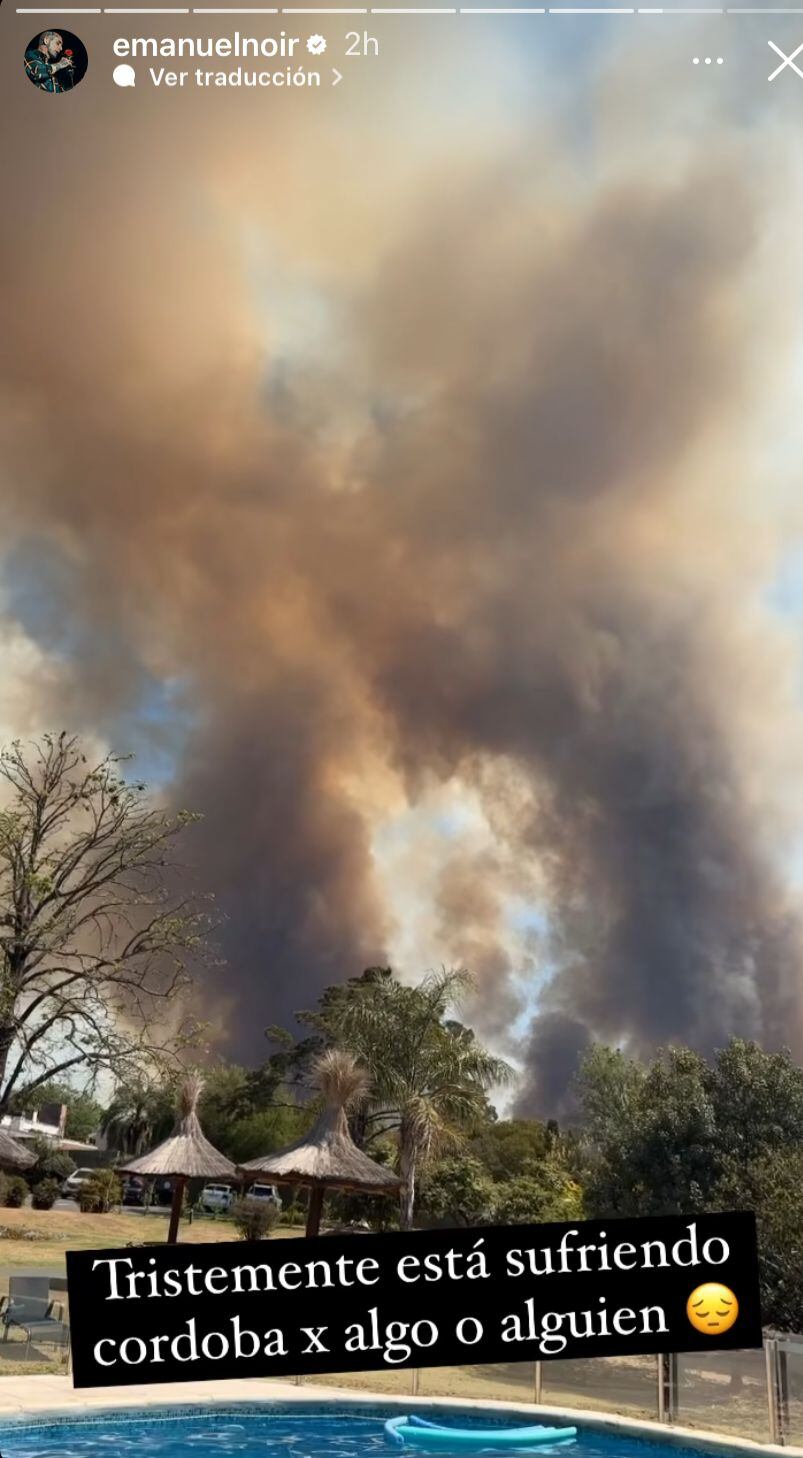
(786, 61)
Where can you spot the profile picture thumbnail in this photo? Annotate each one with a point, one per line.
(55, 61)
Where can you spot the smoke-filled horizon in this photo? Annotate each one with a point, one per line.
(410, 503)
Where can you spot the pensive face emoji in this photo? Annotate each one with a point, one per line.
(712, 1308)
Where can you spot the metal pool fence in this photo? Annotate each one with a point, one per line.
(754, 1394)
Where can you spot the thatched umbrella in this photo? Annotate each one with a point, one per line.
(186, 1155)
(12, 1154)
(326, 1158)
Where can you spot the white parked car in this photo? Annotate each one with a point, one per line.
(73, 1183)
(268, 1193)
(217, 1198)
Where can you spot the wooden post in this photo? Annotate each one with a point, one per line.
(314, 1210)
(175, 1209)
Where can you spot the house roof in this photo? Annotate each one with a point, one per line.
(12, 1155)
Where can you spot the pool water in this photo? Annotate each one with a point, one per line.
(218, 1433)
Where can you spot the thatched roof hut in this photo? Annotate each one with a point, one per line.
(186, 1154)
(13, 1156)
(326, 1158)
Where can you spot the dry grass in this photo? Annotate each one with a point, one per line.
(72, 1230)
(39, 1364)
(709, 1400)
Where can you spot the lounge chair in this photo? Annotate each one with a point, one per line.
(29, 1308)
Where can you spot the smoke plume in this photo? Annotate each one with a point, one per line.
(447, 487)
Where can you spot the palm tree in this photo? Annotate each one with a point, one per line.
(428, 1074)
(137, 1114)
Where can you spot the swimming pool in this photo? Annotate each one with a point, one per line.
(245, 1432)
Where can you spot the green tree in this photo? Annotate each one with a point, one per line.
(139, 1115)
(458, 1190)
(610, 1087)
(287, 1071)
(663, 1139)
(242, 1116)
(758, 1101)
(95, 951)
(223, 1094)
(245, 1138)
(545, 1192)
(770, 1185)
(429, 1076)
(84, 1112)
(509, 1146)
(651, 1133)
(683, 1135)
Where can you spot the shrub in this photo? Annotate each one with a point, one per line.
(100, 1193)
(255, 1219)
(457, 1191)
(45, 1194)
(547, 1192)
(16, 1192)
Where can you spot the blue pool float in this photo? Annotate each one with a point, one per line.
(417, 1430)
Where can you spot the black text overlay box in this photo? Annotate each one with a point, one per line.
(425, 1298)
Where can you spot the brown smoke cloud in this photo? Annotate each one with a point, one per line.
(454, 485)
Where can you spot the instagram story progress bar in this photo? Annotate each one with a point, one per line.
(417, 11)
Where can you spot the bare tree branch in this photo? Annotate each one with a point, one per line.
(94, 939)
